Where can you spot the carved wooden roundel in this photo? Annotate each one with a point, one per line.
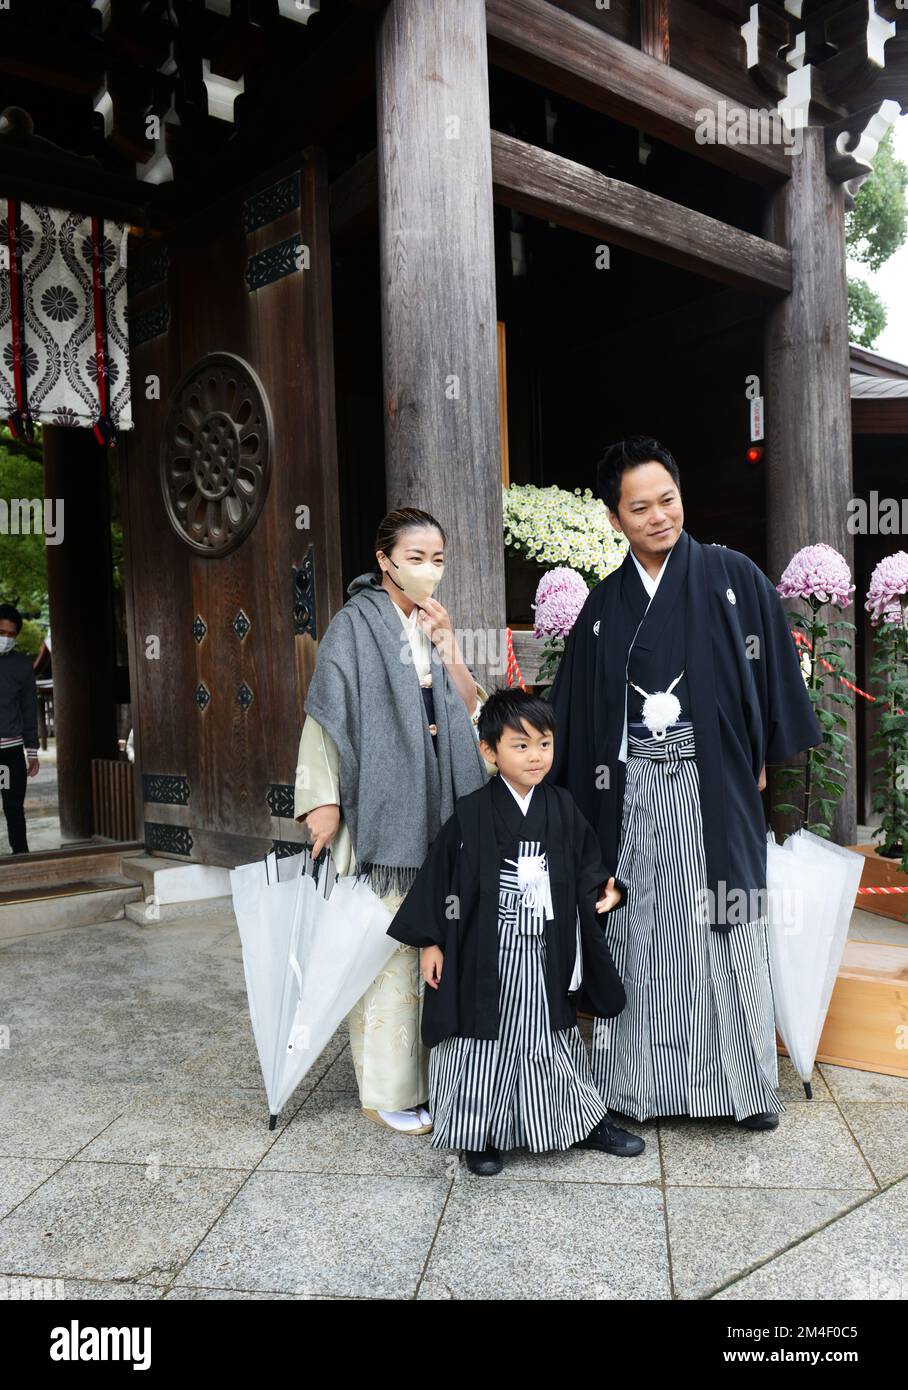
(216, 454)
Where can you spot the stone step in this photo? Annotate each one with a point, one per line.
(149, 914)
(172, 881)
(91, 859)
(78, 903)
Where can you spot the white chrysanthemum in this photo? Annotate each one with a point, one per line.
(555, 527)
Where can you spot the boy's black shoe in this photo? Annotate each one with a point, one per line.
(765, 1120)
(485, 1163)
(609, 1139)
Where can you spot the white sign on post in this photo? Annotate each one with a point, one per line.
(756, 419)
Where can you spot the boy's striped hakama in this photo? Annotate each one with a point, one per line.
(530, 1087)
(697, 1035)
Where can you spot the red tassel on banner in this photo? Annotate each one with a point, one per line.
(103, 429)
(21, 424)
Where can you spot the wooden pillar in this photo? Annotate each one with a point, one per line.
(438, 301)
(80, 589)
(808, 401)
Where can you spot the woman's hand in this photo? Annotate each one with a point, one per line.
(435, 622)
(322, 822)
(431, 960)
(761, 780)
(609, 897)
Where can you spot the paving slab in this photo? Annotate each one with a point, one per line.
(501, 1239)
(114, 1221)
(812, 1147)
(353, 1236)
(716, 1234)
(861, 1256)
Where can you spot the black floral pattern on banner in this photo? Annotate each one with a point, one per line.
(59, 328)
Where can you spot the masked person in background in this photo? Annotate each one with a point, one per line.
(18, 727)
(388, 745)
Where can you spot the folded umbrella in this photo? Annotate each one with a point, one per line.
(312, 944)
(811, 888)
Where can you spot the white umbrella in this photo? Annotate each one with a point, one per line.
(311, 948)
(811, 886)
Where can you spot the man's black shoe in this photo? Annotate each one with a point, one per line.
(765, 1120)
(609, 1139)
(485, 1163)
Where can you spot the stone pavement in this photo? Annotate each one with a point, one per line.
(136, 1162)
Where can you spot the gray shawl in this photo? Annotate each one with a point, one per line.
(395, 791)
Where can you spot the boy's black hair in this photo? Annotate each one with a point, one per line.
(630, 453)
(12, 615)
(506, 707)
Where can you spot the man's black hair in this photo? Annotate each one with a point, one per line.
(12, 615)
(630, 453)
(506, 707)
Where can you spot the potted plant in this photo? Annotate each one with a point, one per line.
(887, 602)
(571, 532)
(819, 576)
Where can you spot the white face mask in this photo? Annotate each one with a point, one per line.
(6, 645)
(416, 581)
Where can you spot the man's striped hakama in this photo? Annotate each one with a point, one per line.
(530, 1087)
(697, 1035)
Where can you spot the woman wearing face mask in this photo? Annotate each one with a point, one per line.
(387, 747)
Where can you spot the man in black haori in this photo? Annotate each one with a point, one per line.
(679, 682)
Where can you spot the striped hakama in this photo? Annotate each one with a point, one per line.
(530, 1087)
(697, 1035)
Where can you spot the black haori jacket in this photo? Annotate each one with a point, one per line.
(453, 903)
(748, 703)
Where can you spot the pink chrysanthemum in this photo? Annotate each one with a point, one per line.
(560, 595)
(888, 586)
(820, 572)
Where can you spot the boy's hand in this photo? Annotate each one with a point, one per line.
(431, 960)
(609, 897)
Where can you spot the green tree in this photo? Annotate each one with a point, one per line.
(874, 229)
(23, 558)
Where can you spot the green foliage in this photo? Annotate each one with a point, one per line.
(30, 638)
(866, 313)
(889, 671)
(875, 228)
(877, 225)
(552, 652)
(820, 782)
(23, 558)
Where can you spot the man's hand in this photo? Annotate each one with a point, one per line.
(609, 896)
(431, 960)
(322, 822)
(33, 767)
(761, 780)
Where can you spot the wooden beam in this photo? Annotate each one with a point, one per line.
(870, 416)
(542, 43)
(83, 185)
(549, 186)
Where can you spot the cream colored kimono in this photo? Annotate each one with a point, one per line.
(389, 1058)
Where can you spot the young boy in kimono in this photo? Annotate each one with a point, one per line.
(505, 909)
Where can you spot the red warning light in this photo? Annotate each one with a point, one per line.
(754, 454)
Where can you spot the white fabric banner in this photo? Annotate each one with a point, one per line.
(57, 329)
